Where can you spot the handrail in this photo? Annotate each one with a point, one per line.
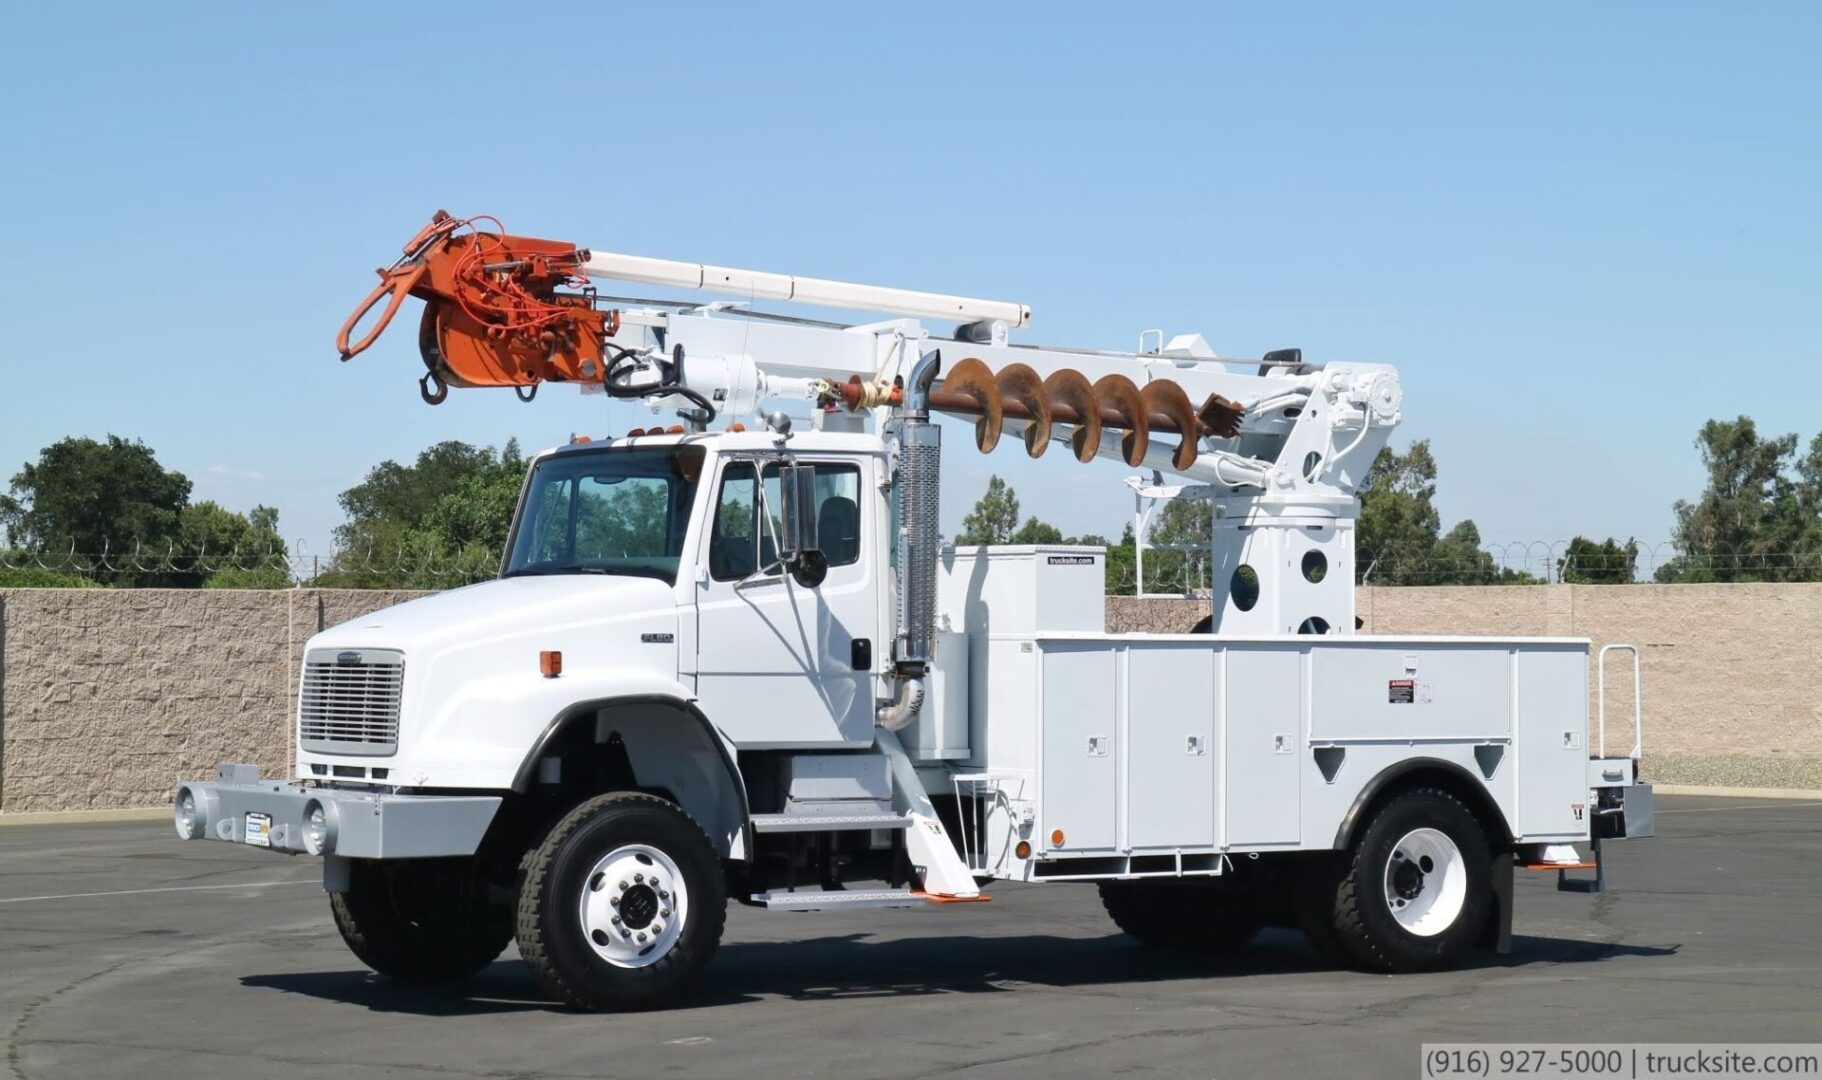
(1638, 708)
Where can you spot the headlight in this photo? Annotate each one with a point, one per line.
(319, 836)
(189, 825)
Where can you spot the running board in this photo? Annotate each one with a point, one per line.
(796, 823)
(843, 898)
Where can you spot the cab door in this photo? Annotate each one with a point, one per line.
(779, 664)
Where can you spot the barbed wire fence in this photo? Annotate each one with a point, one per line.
(1168, 570)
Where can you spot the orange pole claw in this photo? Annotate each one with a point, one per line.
(395, 283)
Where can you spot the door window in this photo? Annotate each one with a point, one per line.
(744, 539)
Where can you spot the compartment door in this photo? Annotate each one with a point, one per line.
(1080, 721)
(1171, 761)
(1263, 799)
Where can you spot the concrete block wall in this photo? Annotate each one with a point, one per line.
(109, 696)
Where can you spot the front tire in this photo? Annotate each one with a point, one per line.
(622, 905)
(1193, 916)
(420, 920)
(1414, 891)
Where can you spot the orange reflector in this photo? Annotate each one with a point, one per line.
(737, 427)
(550, 662)
(674, 429)
(635, 433)
(1056, 838)
(579, 440)
(1023, 850)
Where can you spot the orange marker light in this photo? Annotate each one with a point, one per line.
(1023, 850)
(1056, 838)
(550, 663)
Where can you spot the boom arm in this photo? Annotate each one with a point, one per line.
(1280, 445)
(493, 316)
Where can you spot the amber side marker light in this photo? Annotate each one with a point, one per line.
(1056, 838)
(1023, 850)
(550, 663)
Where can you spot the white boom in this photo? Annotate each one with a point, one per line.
(762, 285)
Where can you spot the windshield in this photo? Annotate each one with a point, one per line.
(623, 511)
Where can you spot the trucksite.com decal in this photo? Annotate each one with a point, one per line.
(1070, 560)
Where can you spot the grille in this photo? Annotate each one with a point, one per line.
(349, 701)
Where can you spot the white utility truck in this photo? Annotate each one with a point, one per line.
(732, 657)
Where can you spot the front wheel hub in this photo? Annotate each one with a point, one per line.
(634, 906)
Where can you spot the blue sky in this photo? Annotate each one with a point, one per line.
(1579, 230)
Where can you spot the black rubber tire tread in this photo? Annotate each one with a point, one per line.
(382, 937)
(1364, 929)
(1190, 916)
(551, 943)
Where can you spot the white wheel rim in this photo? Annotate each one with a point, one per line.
(633, 907)
(1426, 882)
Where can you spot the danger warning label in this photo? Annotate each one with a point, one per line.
(1401, 691)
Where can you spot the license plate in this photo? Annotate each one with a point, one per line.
(259, 829)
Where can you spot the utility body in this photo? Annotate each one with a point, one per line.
(731, 658)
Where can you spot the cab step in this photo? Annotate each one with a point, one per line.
(841, 898)
(799, 823)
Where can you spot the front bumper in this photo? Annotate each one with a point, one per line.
(240, 807)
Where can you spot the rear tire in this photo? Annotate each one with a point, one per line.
(1413, 892)
(420, 920)
(1185, 915)
(622, 905)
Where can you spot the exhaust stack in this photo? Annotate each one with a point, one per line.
(920, 543)
(920, 536)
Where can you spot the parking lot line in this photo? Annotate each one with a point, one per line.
(174, 888)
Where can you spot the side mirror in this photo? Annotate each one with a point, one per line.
(796, 510)
(797, 544)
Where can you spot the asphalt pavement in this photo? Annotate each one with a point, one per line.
(126, 953)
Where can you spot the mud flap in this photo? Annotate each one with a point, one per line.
(1497, 936)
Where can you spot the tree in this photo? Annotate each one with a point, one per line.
(23, 574)
(439, 521)
(225, 550)
(1037, 532)
(994, 519)
(1458, 559)
(129, 521)
(1398, 523)
(94, 497)
(1757, 518)
(1585, 562)
(1398, 538)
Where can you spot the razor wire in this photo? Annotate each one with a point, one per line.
(1177, 570)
